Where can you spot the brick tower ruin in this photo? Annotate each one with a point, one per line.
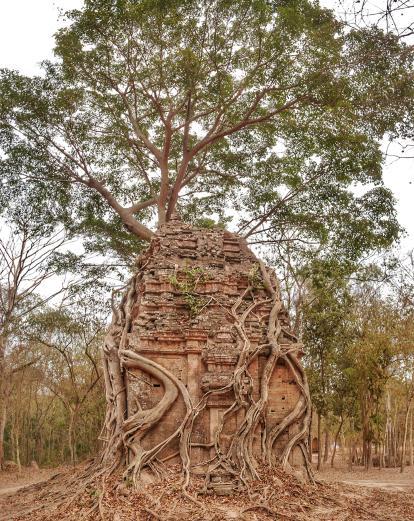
(203, 381)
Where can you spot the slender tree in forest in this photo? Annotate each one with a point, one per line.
(71, 363)
(374, 349)
(44, 394)
(26, 263)
(404, 289)
(327, 332)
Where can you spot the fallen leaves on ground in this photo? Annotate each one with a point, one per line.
(277, 496)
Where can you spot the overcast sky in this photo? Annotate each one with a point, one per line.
(26, 38)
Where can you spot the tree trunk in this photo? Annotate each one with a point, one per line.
(3, 405)
(71, 440)
(17, 451)
(319, 442)
(404, 442)
(395, 437)
(3, 418)
(411, 439)
(310, 436)
(351, 454)
(336, 441)
(326, 446)
(387, 443)
(366, 433)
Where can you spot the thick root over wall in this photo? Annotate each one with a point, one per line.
(123, 435)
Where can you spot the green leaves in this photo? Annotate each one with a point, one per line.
(266, 112)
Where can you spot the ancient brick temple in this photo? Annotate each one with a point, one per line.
(181, 319)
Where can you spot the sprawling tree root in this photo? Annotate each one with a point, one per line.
(124, 435)
(278, 495)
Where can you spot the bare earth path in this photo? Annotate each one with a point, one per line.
(11, 482)
(388, 479)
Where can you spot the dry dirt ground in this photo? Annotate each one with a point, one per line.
(12, 481)
(381, 495)
(385, 479)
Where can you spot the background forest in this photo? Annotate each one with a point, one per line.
(307, 193)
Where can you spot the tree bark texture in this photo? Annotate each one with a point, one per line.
(326, 446)
(404, 442)
(319, 442)
(336, 441)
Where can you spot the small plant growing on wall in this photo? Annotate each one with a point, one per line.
(187, 286)
(255, 278)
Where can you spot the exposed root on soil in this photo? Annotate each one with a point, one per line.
(277, 496)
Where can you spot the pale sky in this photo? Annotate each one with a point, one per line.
(26, 38)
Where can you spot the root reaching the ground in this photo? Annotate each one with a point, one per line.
(124, 435)
(277, 496)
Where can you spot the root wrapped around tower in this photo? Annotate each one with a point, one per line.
(201, 366)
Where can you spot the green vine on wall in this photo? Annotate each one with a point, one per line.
(187, 287)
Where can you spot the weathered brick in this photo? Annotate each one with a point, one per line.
(201, 349)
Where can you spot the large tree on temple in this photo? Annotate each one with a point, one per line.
(265, 115)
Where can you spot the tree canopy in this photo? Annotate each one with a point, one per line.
(266, 113)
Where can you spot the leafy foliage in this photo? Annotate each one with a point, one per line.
(266, 112)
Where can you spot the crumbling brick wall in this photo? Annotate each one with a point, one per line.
(190, 279)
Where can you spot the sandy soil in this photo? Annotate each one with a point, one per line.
(13, 481)
(388, 479)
